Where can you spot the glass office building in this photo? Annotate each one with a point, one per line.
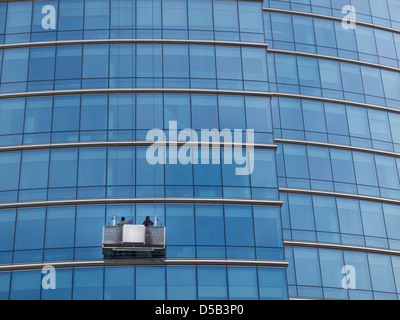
(84, 81)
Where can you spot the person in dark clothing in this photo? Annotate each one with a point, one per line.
(148, 222)
(123, 221)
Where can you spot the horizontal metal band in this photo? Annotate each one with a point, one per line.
(322, 16)
(321, 56)
(147, 200)
(335, 146)
(337, 246)
(30, 94)
(58, 43)
(144, 262)
(135, 143)
(353, 196)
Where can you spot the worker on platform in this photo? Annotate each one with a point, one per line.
(148, 222)
(123, 221)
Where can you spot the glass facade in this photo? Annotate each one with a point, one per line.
(83, 82)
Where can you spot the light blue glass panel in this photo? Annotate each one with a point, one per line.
(286, 69)
(330, 75)
(69, 62)
(301, 212)
(41, 64)
(92, 167)
(29, 233)
(358, 122)
(71, 15)
(318, 163)
(7, 227)
(200, 14)
(122, 61)
(174, 14)
(267, 227)
(229, 63)
(63, 289)
(242, 283)
(38, 115)
(379, 125)
(325, 214)
(272, 284)
(88, 284)
(392, 220)
(325, 33)
(209, 225)
(296, 161)
(89, 226)
(15, 65)
(181, 283)
(180, 224)
(390, 84)
(359, 261)
(372, 217)
(25, 285)
(250, 17)
(342, 166)
(351, 77)
(254, 64)
(349, 216)
(381, 273)
(331, 267)
(12, 116)
(307, 267)
(176, 61)
(34, 169)
(226, 15)
(308, 72)
(63, 168)
(122, 14)
(364, 43)
(60, 227)
(372, 81)
(97, 14)
(9, 170)
(387, 172)
(238, 226)
(121, 166)
(202, 62)
(282, 28)
(303, 30)
(364, 165)
(212, 283)
(95, 61)
(150, 283)
(19, 17)
(119, 283)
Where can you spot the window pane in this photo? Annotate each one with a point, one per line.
(307, 267)
(349, 216)
(7, 227)
(176, 61)
(200, 14)
(119, 283)
(94, 113)
(239, 226)
(254, 64)
(15, 65)
(88, 284)
(174, 14)
(229, 64)
(38, 115)
(95, 61)
(372, 217)
(93, 216)
(180, 224)
(150, 283)
(9, 170)
(202, 62)
(181, 283)
(325, 214)
(242, 283)
(66, 113)
(301, 212)
(342, 166)
(92, 167)
(97, 14)
(226, 15)
(209, 225)
(29, 232)
(11, 116)
(69, 62)
(63, 168)
(34, 169)
(296, 162)
(60, 227)
(41, 64)
(212, 283)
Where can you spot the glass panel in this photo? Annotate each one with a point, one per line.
(29, 232)
(212, 283)
(181, 283)
(88, 284)
(119, 283)
(150, 283)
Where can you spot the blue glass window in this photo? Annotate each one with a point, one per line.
(93, 216)
(121, 166)
(364, 165)
(390, 84)
(63, 168)
(122, 14)
(94, 113)
(181, 283)
(149, 60)
(60, 225)
(364, 43)
(200, 14)
(242, 283)
(122, 61)
(325, 214)
(319, 167)
(7, 227)
(19, 17)
(286, 69)
(71, 15)
(358, 122)
(250, 17)
(11, 116)
(66, 113)
(392, 219)
(202, 62)
(325, 33)
(209, 225)
(330, 75)
(239, 226)
(381, 273)
(307, 267)
(372, 81)
(174, 14)
(26, 285)
(97, 14)
(267, 227)
(351, 77)
(38, 115)
(308, 72)
(92, 167)
(121, 112)
(212, 283)
(150, 283)
(95, 61)
(272, 284)
(229, 63)
(176, 61)
(15, 65)
(69, 62)
(349, 216)
(180, 223)
(314, 116)
(303, 30)
(301, 212)
(387, 172)
(29, 233)
(296, 162)
(88, 284)
(204, 112)
(226, 16)
(372, 217)
(342, 166)
(41, 64)
(34, 169)
(9, 170)
(282, 28)
(119, 283)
